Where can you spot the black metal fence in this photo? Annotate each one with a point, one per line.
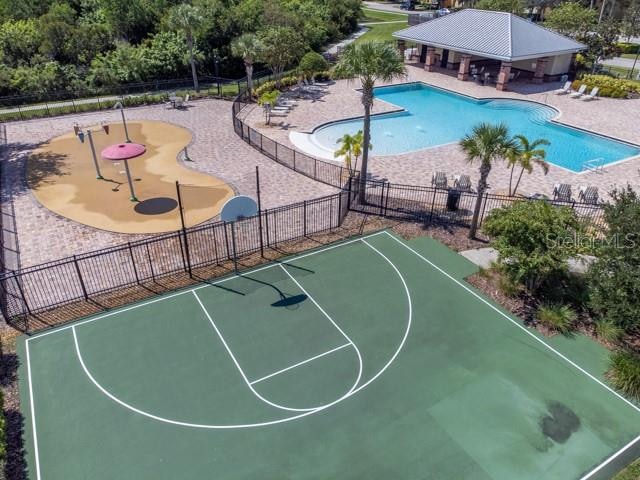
(450, 206)
(27, 292)
(319, 170)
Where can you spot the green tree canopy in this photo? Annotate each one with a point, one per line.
(614, 279)
(534, 240)
(511, 6)
(312, 63)
(572, 19)
(282, 47)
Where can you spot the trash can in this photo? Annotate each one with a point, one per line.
(453, 199)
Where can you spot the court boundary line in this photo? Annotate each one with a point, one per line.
(204, 284)
(228, 426)
(559, 354)
(496, 309)
(328, 352)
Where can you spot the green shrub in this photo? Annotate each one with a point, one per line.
(628, 47)
(608, 331)
(264, 88)
(270, 97)
(559, 318)
(624, 372)
(508, 286)
(632, 472)
(325, 75)
(609, 86)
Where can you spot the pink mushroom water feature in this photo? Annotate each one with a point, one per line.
(125, 152)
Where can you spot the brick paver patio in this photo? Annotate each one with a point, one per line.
(613, 117)
(215, 149)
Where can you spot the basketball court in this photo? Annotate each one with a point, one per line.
(371, 358)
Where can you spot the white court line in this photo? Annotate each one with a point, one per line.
(265, 423)
(33, 415)
(206, 285)
(300, 363)
(493, 307)
(610, 459)
(237, 364)
(360, 367)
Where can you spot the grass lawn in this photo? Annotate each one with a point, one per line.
(632, 472)
(370, 15)
(381, 32)
(628, 55)
(622, 72)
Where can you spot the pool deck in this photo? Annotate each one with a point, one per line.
(611, 117)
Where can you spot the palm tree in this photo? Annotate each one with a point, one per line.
(487, 143)
(248, 46)
(187, 18)
(526, 155)
(351, 148)
(370, 62)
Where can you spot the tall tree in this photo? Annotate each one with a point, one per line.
(571, 19)
(369, 62)
(511, 6)
(526, 155)
(282, 46)
(247, 46)
(487, 144)
(188, 19)
(631, 21)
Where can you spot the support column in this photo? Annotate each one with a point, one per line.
(429, 64)
(541, 65)
(573, 66)
(503, 76)
(402, 47)
(463, 70)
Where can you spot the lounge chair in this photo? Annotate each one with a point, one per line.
(580, 91)
(588, 194)
(439, 180)
(562, 192)
(592, 96)
(462, 182)
(564, 90)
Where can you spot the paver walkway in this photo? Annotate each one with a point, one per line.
(45, 236)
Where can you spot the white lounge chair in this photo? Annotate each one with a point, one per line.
(564, 90)
(592, 96)
(580, 91)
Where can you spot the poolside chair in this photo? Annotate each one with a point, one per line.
(179, 102)
(564, 90)
(562, 192)
(439, 180)
(580, 91)
(588, 194)
(462, 182)
(592, 96)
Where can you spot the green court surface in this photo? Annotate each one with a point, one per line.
(369, 359)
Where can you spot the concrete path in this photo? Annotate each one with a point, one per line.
(621, 62)
(384, 7)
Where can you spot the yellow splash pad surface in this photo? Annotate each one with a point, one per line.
(62, 176)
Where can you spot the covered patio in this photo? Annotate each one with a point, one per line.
(490, 48)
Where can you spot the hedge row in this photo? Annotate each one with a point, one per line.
(609, 86)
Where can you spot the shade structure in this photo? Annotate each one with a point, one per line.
(123, 151)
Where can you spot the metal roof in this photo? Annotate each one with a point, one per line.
(499, 35)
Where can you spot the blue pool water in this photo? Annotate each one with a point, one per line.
(435, 117)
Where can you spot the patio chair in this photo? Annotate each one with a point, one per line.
(580, 91)
(592, 96)
(439, 180)
(186, 100)
(564, 90)
(562, 192)
(462, 182)
(588, 194)
(179, 102)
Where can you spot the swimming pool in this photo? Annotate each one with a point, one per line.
(433, 117)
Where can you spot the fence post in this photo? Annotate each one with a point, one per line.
(315, 169)
(153, 275)
(82, 285)
(259, 210)
(304, 218)
(133, 263)
(484, 207)
(349, 190)
(433, 203)
(276, 151)
(294, 161)
(22, 295)
(382, 200)
(266, 221)
(20, 113)
(386, 200)
(339, 208)
(184, 229)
